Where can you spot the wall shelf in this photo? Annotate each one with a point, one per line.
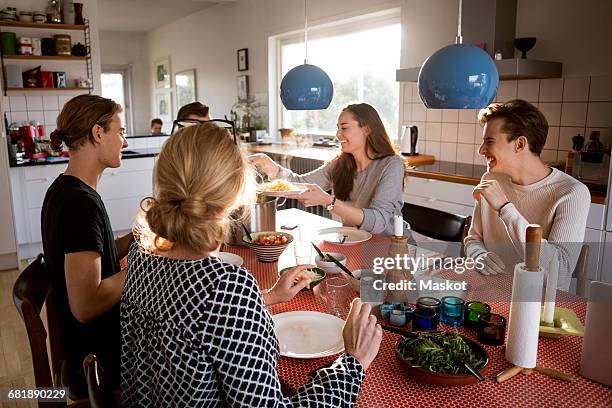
(44, 57)
(17, 24)
(48, 89)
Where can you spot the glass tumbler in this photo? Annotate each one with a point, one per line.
(424, 318)
(492, 329)
(473, 310)
(337, 296)
(452, 310)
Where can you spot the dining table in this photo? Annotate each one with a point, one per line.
(386, 382)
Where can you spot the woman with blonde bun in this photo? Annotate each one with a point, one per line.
(195, 330)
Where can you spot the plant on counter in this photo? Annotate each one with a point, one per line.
(246, 113)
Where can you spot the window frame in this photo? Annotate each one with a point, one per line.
(336, 27)
(126, 72)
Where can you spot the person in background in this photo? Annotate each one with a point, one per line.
(366, 178)
(80, 251)
(519, 189)
(193, 111)
(195, 329)
(156, 127)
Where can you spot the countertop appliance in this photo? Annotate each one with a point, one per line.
(408, 144)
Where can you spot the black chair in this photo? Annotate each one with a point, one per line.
(437, 224)
(30, 292)
(100, 394)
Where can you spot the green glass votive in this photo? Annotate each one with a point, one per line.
(473, 310)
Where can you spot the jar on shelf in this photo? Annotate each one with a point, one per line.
(63, 45)
(9, 43)
(24, 46)
(26, 16)
(36, 46)
(39, 17)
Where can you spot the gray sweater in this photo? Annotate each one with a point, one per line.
(377, 190)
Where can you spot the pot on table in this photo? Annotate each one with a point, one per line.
(259, 216)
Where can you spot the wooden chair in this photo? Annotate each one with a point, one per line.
(100, 394)
(580, 271)
(437, 224)
(30, 292)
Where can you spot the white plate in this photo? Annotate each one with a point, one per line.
(229, 258)
(297, 189)
(303, 334)
(353, 235)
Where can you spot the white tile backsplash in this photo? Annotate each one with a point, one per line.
(6, 105)
(449, 132)
(419, 112)
(434, 115)
(552, 139)
(566, 134)
(51, 116)
(549, 155)
(468, 115)
(576, 89)
(529, 90)
(407, 113)
(50, 102)
(433, 131)
(450, 115)
(573, 114)
(433, 148)
(552, 112)
(18, 103)
(478, 159)
(34, 102)
(465, 133)
(20, 116)
(506, 91)
(448, 152)
(38, 116)
(601, 89)
(599, 114)
(465, 153)
(551, 90)
(62, 99)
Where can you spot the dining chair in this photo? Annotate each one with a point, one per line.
(580, 271)
(31, 291)
(436, 224)
(100, 394)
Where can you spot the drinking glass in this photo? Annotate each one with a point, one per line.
(424, 318)
(452, 310)
(302, 246)
(492, 329)
(473, 310)
(337, 296)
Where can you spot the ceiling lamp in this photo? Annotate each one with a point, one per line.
(458, 76)
(306, 87)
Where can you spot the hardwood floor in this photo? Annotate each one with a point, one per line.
(15, 358)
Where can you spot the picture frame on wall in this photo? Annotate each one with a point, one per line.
(243, 87)
(243, 59)
(162, 73)
(186, 87)
(163, 109)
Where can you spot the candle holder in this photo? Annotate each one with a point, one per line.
(473, 310)
(398, 317)
(452, 310)
(428, 302)
(424, 318)
(492, 329)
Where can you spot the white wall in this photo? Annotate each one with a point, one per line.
(208, 41)
(120, 48)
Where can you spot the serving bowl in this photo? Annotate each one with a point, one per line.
(452, 380)
(313, 283)
(267, 253)
(328, 266)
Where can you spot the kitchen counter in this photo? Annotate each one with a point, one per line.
(128, 154)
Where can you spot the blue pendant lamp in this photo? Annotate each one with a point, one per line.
(458, 76)
(306, 87)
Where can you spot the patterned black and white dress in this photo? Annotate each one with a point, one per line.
(197, 334)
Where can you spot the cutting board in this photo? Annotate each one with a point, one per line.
(420, 159)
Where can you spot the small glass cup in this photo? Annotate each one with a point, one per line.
(398, 317)
(428, 302)
(452, 310)
(473, 310)
(385, 310)
(492, 329)
(424, 318)
(337, 296)
(303, 252)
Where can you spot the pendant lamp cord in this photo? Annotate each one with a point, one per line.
(459, 36)
(305, 34)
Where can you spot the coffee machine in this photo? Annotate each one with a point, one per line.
(408, 144)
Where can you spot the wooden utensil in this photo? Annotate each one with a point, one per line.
(550, 372)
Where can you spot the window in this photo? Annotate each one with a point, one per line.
(360, 58)
(115, 86)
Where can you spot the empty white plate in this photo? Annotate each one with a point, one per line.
(304, 334)
(344, 235)
(229, 258)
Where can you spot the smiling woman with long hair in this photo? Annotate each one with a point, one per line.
(195, 329)
(366, 177)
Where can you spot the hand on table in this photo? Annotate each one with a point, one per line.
(284, 290)
(491, 263)
(362, 336)
(314, 196)
(492, 192)
(265, 163)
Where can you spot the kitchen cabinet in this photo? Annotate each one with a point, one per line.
(121, 189)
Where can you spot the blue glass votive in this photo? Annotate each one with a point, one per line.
(452, 310)
(408, 311)
(424, 318)
(398, 317)
(385, 311)
(427, 302)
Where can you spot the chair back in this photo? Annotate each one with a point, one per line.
(436, 224)
(580, 271)
(100, 394)
(31, 290)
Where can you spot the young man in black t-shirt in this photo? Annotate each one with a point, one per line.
(81, 253)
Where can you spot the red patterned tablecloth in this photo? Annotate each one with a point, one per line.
(387, 385)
